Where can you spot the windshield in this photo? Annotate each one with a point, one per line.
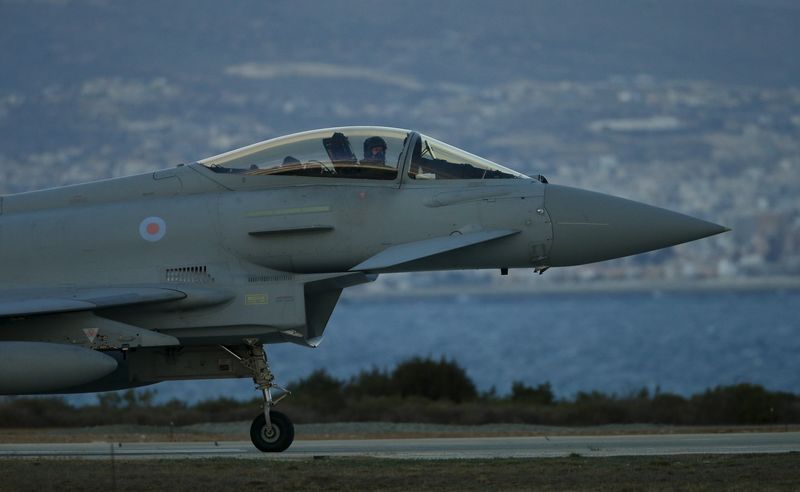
(351, 152)
(432, 159)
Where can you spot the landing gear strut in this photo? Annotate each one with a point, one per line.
(270, 431)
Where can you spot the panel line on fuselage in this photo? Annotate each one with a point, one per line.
(289, 211)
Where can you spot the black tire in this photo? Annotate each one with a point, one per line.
(277, 438)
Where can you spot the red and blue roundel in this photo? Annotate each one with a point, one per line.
(152, 229)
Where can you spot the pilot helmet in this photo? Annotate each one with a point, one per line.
(371, 143)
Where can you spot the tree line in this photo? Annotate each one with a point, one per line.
(423, 390)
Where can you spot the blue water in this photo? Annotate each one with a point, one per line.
(616, 343)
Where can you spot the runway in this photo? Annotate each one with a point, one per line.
(435, 448)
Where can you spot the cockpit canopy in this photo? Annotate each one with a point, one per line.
(358, 153)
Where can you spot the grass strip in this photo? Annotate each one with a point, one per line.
(685, 472)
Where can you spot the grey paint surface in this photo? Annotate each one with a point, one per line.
(194, 257)
(185, 273)
(37, 366)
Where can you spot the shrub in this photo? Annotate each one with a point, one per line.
(374, 382)
(596, 408)
(540, 395)
(442, 380)
(35, 412)
(318, 382)
(320, 390)
(743, 404)
(666, 408)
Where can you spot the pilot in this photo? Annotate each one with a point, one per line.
(290, 161)
(374, 151)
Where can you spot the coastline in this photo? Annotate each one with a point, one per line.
(739, 284)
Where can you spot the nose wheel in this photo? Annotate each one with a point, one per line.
(271, 431)
(275, 437)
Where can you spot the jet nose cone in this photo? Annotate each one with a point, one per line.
(589, 226)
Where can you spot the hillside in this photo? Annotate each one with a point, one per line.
(689, 105)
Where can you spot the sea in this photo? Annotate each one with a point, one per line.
(616, 343)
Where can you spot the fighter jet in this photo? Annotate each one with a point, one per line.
(188, 272)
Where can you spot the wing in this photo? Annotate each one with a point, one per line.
(30, 302)
(417, 250)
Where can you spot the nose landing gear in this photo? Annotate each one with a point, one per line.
(271, 431)
(273, 437)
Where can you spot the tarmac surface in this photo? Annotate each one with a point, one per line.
(432, 448)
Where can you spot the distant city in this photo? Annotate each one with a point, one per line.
(726, 149)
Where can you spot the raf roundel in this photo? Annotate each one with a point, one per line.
(152, 229)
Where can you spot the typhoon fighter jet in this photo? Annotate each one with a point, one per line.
(187, 273)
